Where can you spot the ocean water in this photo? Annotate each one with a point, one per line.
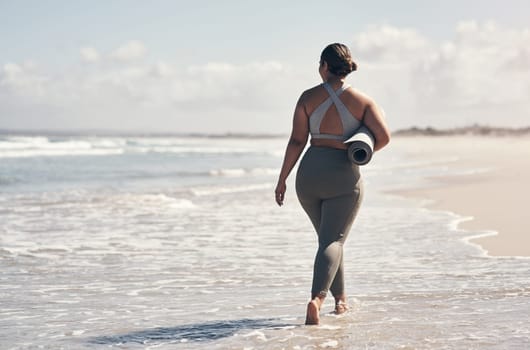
(176, 243)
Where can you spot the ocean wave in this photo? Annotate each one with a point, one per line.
(238, 172)
(228, 172)
(153, 200)
(193, 150)
(58, 152)
(39, 146)
(216, 190)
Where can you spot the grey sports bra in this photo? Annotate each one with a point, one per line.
(349, 122)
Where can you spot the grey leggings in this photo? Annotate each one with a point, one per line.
(329, 188)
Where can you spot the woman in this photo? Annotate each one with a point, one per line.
(328, 184)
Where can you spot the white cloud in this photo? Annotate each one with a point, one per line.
(480, 75)
(479, 67)
(162, 70)
(24, 80)
(89, 54)
(12, 69)
(131, 50)
(389, 44)
(216, 94)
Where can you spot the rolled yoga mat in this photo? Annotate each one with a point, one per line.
(361, 146)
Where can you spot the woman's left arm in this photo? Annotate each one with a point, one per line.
(295, 146)
(374, 119)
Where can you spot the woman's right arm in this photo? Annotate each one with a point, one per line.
(374, 119)
(295, 146)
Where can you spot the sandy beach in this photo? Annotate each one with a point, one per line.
(491, 186)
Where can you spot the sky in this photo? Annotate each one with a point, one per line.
(239, 66)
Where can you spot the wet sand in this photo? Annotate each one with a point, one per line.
(492, 186)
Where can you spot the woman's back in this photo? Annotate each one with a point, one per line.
(329, 117)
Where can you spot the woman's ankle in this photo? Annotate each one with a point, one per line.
(319, 300)
(340, 299)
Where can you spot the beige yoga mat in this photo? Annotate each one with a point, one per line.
(361, 146)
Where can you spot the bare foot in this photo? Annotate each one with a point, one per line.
(312, 316)
(341, 307)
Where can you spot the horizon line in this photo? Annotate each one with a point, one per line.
(475, 128)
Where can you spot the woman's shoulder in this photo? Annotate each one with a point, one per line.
(313, 90)
(312, 93)
(359, 96)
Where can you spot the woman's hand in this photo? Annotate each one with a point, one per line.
(280, 192)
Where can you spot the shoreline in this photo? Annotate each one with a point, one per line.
(486, 186)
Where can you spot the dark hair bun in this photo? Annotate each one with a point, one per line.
(339, 60)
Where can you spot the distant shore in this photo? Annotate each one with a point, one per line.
(491, 188)
(480, 130)
(412, 131)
